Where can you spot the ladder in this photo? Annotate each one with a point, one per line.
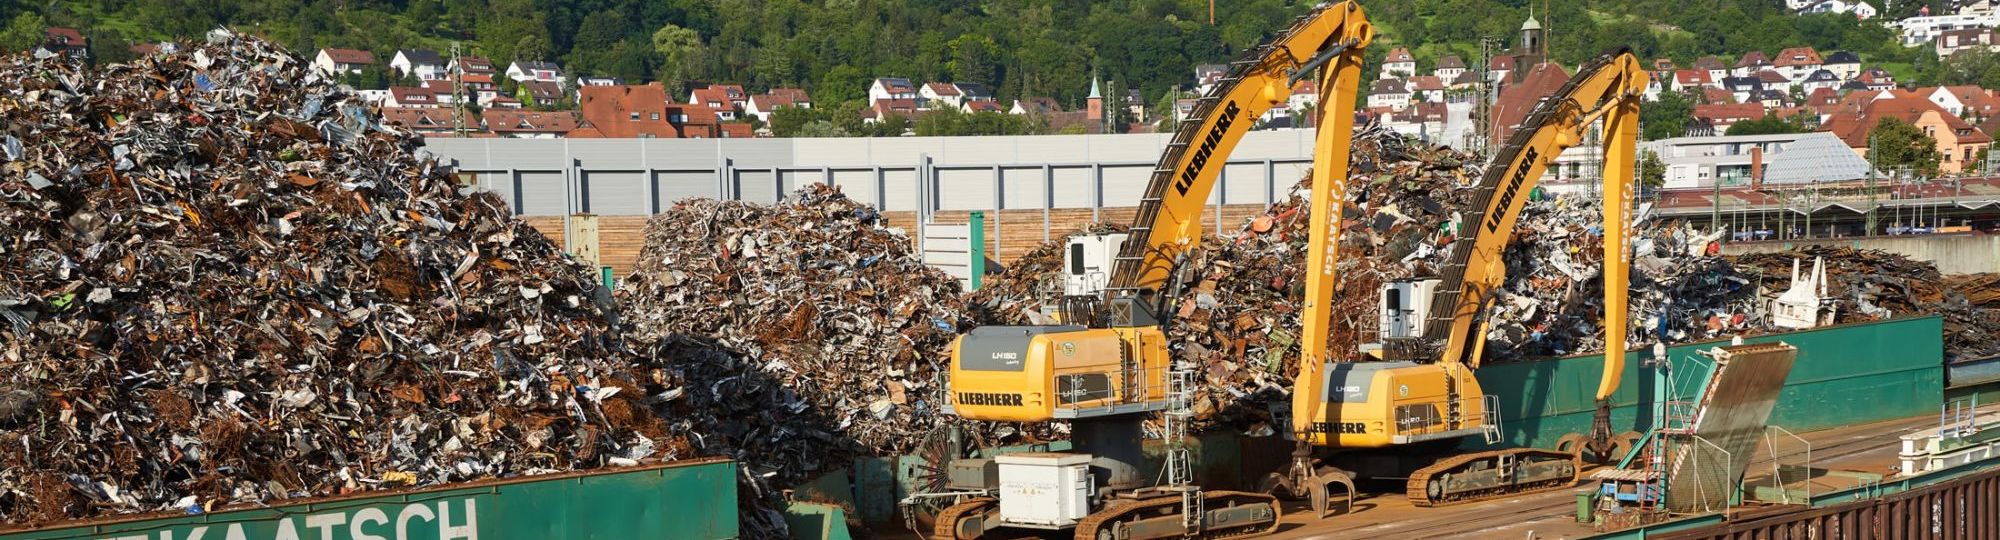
(1180, 464)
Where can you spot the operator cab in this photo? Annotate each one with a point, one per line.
(1405, 306)
(1088, 261)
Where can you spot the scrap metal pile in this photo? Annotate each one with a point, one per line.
(222, 282)
(1873, 285)
(829, 334)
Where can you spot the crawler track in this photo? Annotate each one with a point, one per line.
(1100, 525)
(1533, 470)
(946, 527)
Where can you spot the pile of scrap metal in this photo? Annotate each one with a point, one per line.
(225, 283)
(1872, 285)
(822, 335)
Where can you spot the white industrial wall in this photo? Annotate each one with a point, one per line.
(639, 176)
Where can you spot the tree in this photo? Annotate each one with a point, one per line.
(1652, 171)
(1898, 145)
(972, 59)
(1770, 124)
(819, 128)
(23, 33)
(1666, 117)
(1978, 163)
(1975, 66)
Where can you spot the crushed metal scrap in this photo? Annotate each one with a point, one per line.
(224, 283)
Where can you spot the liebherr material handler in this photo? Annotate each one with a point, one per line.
(1422, 398)
(1108, 374)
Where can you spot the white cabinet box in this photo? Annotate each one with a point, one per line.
(1044, 488)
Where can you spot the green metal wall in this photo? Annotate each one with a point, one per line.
(675, 501)
(1846, 374)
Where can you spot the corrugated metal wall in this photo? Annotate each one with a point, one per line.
(1963, 509)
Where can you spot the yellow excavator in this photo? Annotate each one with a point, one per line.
(1422, 397)
(1108, 369)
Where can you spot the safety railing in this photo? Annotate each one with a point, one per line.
(1105, 389)
(1421, 418)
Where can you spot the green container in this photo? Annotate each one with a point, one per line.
(1848, 374)
(692, 500)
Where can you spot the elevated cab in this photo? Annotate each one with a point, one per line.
(1038, 373)
(1378, 404)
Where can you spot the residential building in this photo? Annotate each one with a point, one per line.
(1039, 106)
(1391, 93)
(980, 106)
(593, 80)
(725, 99)
(1464, 81)
(1957, 139)
(1427, 88)
(1963, 101)
(1206, 76)
(736, 130)
(1746, 160)
(799, 98)
(1399, 64)
(892, 88)
(473, 65)
(1305, 95)
(1877, 79)
(427, 122)
(412, 97)
(1723, 115)
(1951, 42)
(1716, 70)
(1844, 64)
(1449, 68)
(1687, 80)
(1798, 62)
(1499, 68)
(971, 92)
(941, 95)
(1859, 9)
(884, 108)
(541, 93)
(534, 70)
(694, 120)
(342, 61)
(1751, 63)
(1742, 89)
(65, 41)
(1665, 65)
(503, 102)
(1425, 120)
(520, 124)
(423, 63)
(625, 111)
(1823, 78)
(1925, 29)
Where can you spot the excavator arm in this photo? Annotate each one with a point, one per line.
(1327, 42)
(1606, 89)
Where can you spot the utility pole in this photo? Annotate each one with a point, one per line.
(458, 128)
(1211, 12)
(1872, 204)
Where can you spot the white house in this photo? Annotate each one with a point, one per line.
(425, 64)
(1860, 10)
(1399, 64)
(534, 70)
(891, 88)
(1449, 68)
(1819, 79)
(942, 95)
(1391, 93)
(1844, 64)
(1922, 30)
(340, 61)
(1798, 62)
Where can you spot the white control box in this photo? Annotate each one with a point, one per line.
(1044, 488)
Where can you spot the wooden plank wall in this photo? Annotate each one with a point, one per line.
(1012, 232)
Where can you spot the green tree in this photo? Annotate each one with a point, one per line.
(819, 128)
(23, 33)
(1666, 117)
(1898, 145)
(1652, 171)
(1770, 124)
(973, 59)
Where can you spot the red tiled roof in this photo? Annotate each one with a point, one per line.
(1798, 56)
(1753, 59)
(898, 106)
(419, 119)
(410, 94)
(1709, 63)
(1823, 96)
(718, 95)
(626, 111)
(1514, 103)
(349, 56)
(1400, 54)
(984, 106)
(942, 89)
(1978, 102)
(1853, 128)
(1771, 76)
(1710, 94)
(65, 36)
(520, 121)
(1426, 83)
(1728, 113)
(796, 95)
(737, 130)
(543, 90)
(1691, 77)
